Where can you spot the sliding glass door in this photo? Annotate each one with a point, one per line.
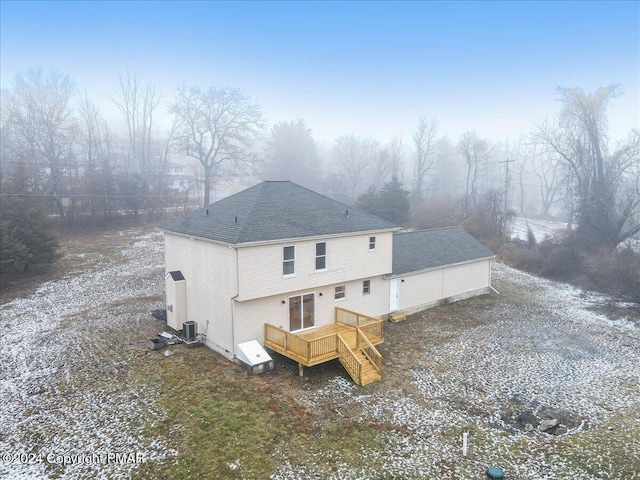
(302, 312)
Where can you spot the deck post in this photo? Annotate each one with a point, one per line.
(301, 370)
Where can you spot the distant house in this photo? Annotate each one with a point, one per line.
(177, 177)
(309, 277)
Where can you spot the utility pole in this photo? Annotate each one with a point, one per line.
(507, 181)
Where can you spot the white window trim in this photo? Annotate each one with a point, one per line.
(301, 303)
(287, 275)
(325, 256)
(344, 292)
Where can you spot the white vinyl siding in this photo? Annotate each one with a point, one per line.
(425, 289)
(464, 278)
(251, 315)
(210, 273)
(261, 270)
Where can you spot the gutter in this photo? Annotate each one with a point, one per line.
(430, 269)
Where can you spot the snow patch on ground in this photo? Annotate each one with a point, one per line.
(541, 228)
(65, 351)
(552, 355)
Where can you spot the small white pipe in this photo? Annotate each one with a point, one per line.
(494, 289)
(465, 441)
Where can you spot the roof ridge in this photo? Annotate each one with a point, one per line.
(342, 203)
(253, 205)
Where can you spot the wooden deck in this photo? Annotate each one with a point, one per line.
(351, 338)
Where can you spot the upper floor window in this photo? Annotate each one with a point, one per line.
(366, 287)
(372, 243)
(340, 292)
(288, 260)
(321, 256)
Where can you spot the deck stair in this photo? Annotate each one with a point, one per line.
(396, 317)
(368, 374)
(364, 363)
(351, 339)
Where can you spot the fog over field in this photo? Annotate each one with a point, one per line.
(518, 121)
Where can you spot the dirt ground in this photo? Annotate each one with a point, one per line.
(78, 378)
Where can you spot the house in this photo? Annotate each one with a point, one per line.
(307, 276)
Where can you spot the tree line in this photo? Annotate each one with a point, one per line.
(58, 154)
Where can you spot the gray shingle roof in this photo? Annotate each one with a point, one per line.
(274, 211)
(414, 251)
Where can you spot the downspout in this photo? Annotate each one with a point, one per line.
(233, 321)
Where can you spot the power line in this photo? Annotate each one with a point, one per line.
(81, 195)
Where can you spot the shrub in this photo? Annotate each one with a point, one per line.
(519, 256)
(617, 273)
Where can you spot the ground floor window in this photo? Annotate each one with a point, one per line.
(340, 292)
(366, 287)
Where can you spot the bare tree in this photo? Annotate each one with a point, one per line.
(426, 145)
(98, 181)
(40, 119)
(137, 105)
(381, 169)
(546, 168)
(217, 127)
(397, 152)
(355, 156)
(607, 210)
(475, 152)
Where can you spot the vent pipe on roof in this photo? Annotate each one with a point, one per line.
(207, 212)
(236, 219)
(346, 212)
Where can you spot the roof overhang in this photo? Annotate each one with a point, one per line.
(439, 267)
(280, 240)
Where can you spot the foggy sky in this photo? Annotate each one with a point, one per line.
(367, 68)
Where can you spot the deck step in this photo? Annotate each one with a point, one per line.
(368, 373)
(396, 317)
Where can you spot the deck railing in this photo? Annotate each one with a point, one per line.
(370, 351)
(370, 326)
(349, 360)
(302, 348)
(369, 330)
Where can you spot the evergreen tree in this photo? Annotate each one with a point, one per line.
(26, 232)
(369, 201)
(390, 203)
(292, 154)
(394, 203)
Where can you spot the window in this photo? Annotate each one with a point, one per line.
(372, 243)
(321, 256)
(288, 260)
(366, 287)
(340, 292)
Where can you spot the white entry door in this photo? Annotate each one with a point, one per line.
(394, 300)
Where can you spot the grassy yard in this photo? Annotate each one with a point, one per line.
(78, 377)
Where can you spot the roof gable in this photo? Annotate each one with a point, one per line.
(272, 211)
(424, 249)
